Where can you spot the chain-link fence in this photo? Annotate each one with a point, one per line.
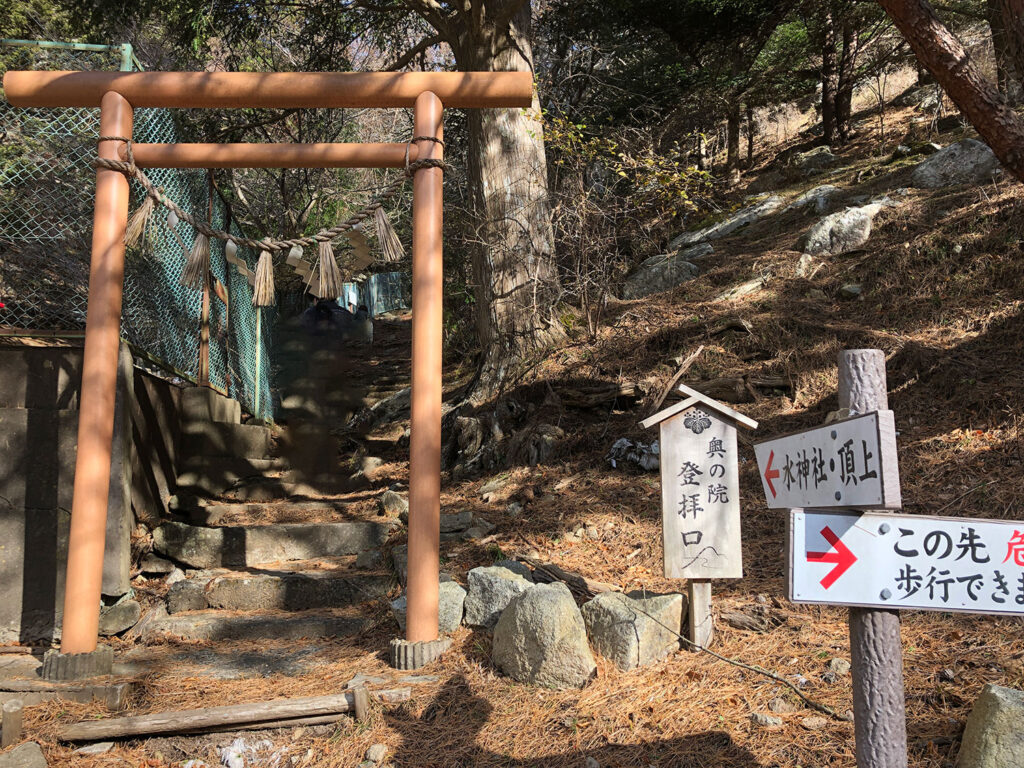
(47, 184)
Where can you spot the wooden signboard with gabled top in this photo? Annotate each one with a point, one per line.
(700, 493)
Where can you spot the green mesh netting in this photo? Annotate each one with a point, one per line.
(47, 184)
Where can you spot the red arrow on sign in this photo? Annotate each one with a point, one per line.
(840, 554)
(771, 474)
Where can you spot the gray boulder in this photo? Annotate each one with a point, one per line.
(811, 162)
(491, 589)
(629, 631)
(994, 736)
(841, 231)
(741, 218)
(966, 162)
(451, 598)
(659, 273)
(817, 200)
(541, 639)
(516, 567)
(122, 615)
(393, 504)
(27, 755)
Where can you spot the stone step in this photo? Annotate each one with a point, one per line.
(278, 590)
(213, 475)
(267, 512)
(220, 439)
(201, 404)
(201, 547)
(265, 625)
(293, 485)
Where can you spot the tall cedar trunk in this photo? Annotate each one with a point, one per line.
(847, 79)
(1013, 36)
(977, 98)
(516, 281)
(751, 129)
(1000, 50)
(732, 130)
(829, 78)
(702, 152)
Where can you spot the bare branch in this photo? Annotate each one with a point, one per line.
(416, 50)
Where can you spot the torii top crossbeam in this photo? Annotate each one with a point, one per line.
(269, 90)
(117, 94)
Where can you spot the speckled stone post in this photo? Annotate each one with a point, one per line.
(876, 651)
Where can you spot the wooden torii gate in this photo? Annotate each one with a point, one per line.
(117, 94)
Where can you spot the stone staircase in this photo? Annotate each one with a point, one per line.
(268, 539)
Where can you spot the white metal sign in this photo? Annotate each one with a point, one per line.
(906, 561)
(849, 463)
(700, 494)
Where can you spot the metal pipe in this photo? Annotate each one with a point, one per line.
(191, 90)
(425, 438)
(92, 47)
(876, 652)
(271, 155)
(87, 538)
(127, 55)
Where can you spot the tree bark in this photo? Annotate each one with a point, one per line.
(847, 79)
(732, 130)
(934, 45)
(1000, 50)
(516, 281)
(829, 78)
(751, 130)
(1013, 36)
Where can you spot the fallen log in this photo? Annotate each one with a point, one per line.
(738, 389)
(546, 573)
(230, 717)
(591, 394)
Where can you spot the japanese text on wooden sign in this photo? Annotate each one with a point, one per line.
(700, 496)
(906, 561)
(849, 463)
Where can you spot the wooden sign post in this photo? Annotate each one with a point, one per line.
(849, 463)
(700, 499)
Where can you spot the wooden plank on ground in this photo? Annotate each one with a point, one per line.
(192, 720)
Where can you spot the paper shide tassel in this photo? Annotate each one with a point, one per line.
(390, 246)
(263, 285)
(137, 224)
(330, 275)
(197, 265)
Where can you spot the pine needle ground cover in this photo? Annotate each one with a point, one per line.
(942, 294)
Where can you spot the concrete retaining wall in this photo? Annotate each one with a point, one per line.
(39, 389)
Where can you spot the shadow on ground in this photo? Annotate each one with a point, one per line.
(447, 735)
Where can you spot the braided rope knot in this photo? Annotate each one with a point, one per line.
(132, 171)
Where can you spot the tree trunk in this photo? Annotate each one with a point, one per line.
(732, 130)
(702, 151)
(750, 136)
(516, 281)
(977, 98)
(1000, 49)
(847, 79)
(1013, 36)
(829, 78)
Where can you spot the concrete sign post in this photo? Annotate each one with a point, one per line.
(906, 561)
(700, 498)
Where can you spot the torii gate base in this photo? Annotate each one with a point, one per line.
(116, 93)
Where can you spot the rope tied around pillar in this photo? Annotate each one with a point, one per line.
(264, 245)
